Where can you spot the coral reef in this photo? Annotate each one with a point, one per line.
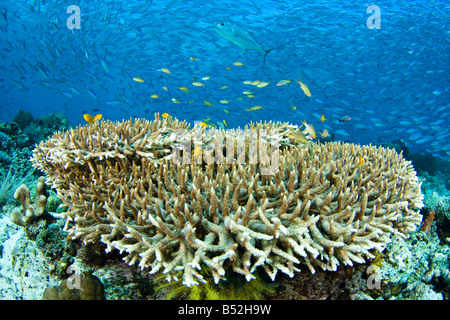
(42, 227)
(33, 130)
(53, 243)
(234, 287)
(122, 282)
(325, 285)
(437, 199)
(24, 271)
(137, 186)
(10, 182)
(417, 268)
(19, 136)
(436, 202)
(23, 119)
(426, 225)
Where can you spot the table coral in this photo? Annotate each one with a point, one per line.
(170, 204)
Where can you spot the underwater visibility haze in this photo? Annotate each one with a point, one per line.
(391, 79)
(355, 71)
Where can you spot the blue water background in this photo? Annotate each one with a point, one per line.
(393, 82)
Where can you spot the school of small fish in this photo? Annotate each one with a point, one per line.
(225, 65)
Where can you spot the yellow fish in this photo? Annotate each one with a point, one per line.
(361, 161)
(224, 101)
(228, 68)
(226, 111)
(198, 152)
(293, 107)
(165, 70)
(198, 84)
(165, 88)
(310, 129)
(225, 123)
(191, 102)
(262, 84)
(324, 134)
(137, 79)
(247, 92)
(184, 89)
(92, 119)
(299, 137)
(193, 58)
(154, 96)
(223, 87)
(239, 64)
(165, 115)
(207, 103)
(250, 96)
(256, 107)
(255, 83)
(283, 82)
(304, 87)
(203, 124)
(175, 101)
(248, 109)
(247, 82)
(322, 118)
(206, 78)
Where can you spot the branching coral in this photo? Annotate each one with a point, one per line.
(241, 199)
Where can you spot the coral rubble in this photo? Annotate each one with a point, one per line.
(168, 197)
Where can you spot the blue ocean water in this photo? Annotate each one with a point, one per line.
(389, 73)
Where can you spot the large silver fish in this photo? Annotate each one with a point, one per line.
(239, 36)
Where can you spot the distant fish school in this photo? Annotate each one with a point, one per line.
(245, 40)
(109, 67)
(249, 94)
(309, 129)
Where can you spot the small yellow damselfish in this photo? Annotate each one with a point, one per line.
(137, 79)
(92, 119)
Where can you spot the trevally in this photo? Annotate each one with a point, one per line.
(239, 36)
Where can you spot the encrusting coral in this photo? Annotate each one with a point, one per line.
(29, 211)
(171, 204)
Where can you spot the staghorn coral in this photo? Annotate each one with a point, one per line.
(150, 190)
